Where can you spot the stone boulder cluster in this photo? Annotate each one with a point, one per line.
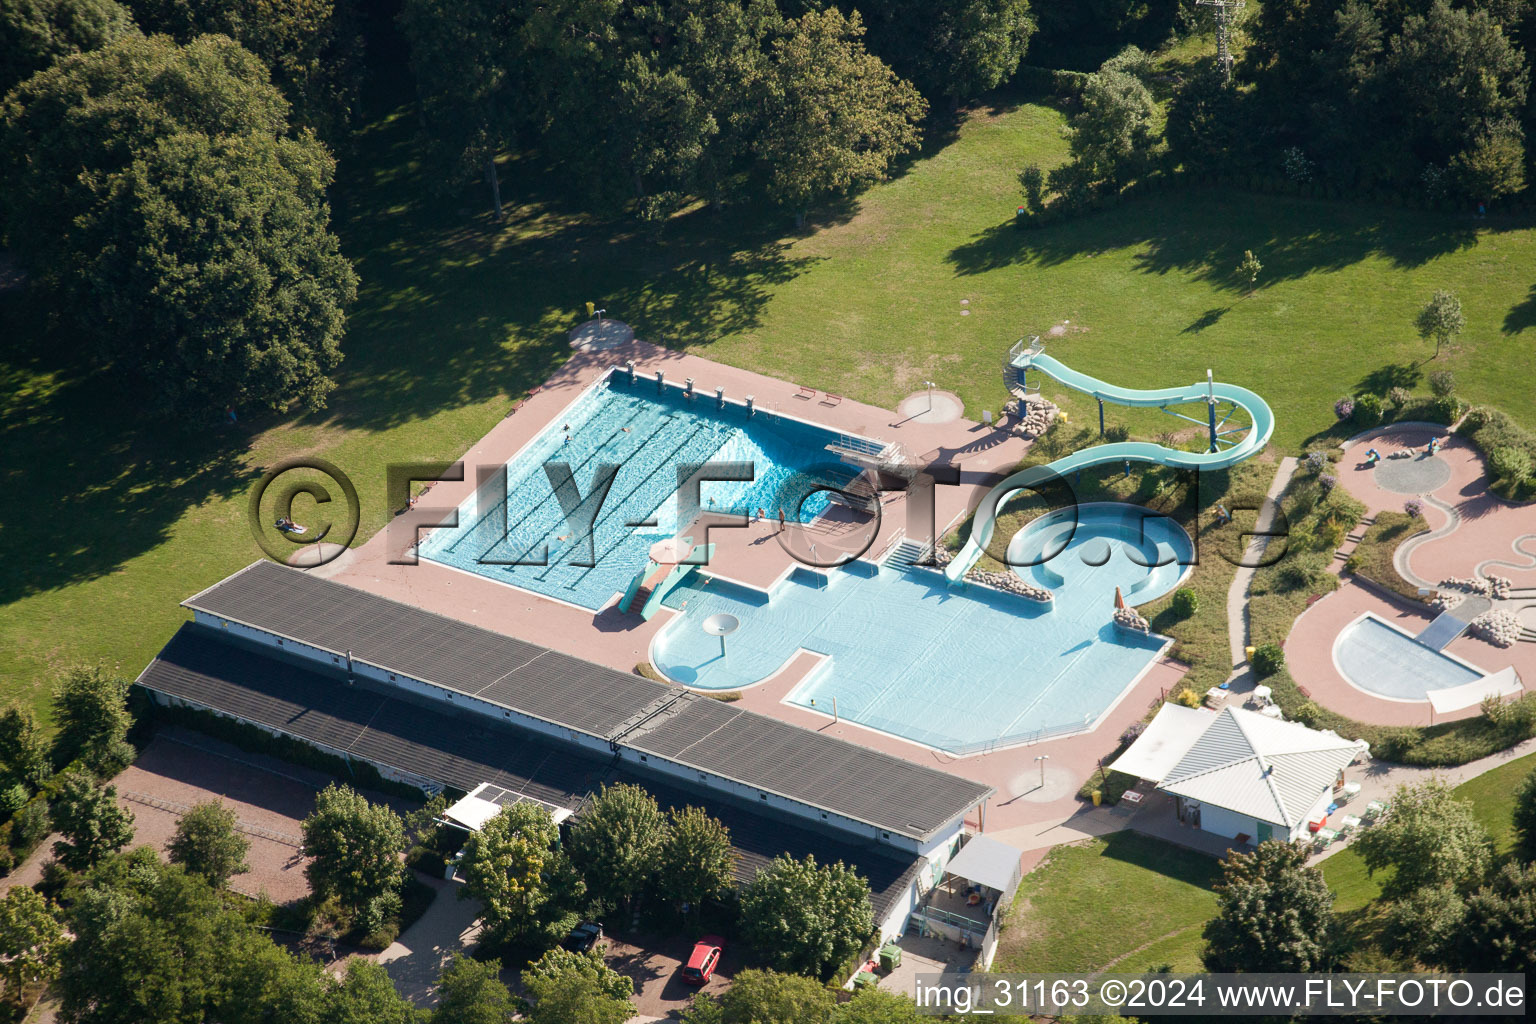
(1032, 415)
(1009, 583)
(1491, 585)
(1499, 627)
(1131, 619)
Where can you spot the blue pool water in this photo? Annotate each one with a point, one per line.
(648, 433)
(956, 669)
(1389, 663)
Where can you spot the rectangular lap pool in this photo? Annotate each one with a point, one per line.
(648, 433)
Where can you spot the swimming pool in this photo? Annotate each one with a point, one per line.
(959, 669)
(1382, 660)
(647, 432)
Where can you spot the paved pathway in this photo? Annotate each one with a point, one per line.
(1238, 631)
(418, 956)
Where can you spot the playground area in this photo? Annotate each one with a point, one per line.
(1381, 658)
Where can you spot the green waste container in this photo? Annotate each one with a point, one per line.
(865, 979)
(890, 956)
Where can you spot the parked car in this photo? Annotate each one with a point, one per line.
(705, 958)
(583, 937)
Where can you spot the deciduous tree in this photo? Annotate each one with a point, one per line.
(1430, 838)
(1112, 135)
(31, 940)
(36, 33)
(696, 861)
(1441, 318)
(512, 867)
(355, 850)
(616, 842)
(471, 992)
(564, 987)
(207, 844)
(23, 749)
(91, 709)
(768, 997)
(1273, 913)
(91, 822)
(805, 917)
(835, 116)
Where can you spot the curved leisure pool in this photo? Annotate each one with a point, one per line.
(959, 669)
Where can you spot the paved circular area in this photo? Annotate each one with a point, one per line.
(1420, 474)
(945, 407)
(311, 555)
(1059, 782)
(597, 335)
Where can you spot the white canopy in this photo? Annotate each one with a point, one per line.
(1164, 743)
(486, 801)
(1505, 683)
(988, 862)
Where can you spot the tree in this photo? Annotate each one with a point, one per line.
(616, 842)
(1112, 134)
(366, 995)
(1492, 167)
(767, 997)
(23, 750)
(1431, 838)
(31, 939)
(312, 47)
(355, 849)
(836, 117)
(879, 1006)
(1032, 181)
(177, 225)
(91, 822)
(155, 945)
(471, 992)
(207, 844)
(1525, 818)
(512, 867)
(1440, 318)
(1249, 268)
(1498, 930)
(91, 709)
(807, 918)
(1273, 914)
(566, 987)
(696, 862)
(36, 33)
(953, 48)
(465, 58)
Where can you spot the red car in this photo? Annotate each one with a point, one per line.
(705, 958)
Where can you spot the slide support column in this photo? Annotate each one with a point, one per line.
(1101, 417)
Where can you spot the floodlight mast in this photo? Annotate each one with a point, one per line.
(1224, 11)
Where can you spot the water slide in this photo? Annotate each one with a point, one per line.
(1227, 451)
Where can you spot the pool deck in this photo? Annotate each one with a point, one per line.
(751, 555)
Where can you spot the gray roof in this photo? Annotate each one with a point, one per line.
(876, 789)
(1270, 769)
(311, 702)
(433, 648)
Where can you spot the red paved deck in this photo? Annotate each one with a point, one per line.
(751, 555)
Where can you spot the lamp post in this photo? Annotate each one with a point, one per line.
(929, 385)
(1042, 759)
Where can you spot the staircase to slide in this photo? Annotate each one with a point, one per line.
(1228, 445)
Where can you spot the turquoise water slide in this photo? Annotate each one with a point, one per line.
(1228, 451)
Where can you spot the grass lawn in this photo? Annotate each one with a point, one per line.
(1127, 901)
(111, 520)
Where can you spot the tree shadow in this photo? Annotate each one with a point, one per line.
(1202, 232)
(1522, 314)
(90, 481)
(454, 309)
(1210, 318)
(1394, 375)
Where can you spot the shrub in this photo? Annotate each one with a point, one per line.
(1188, 697)
(1512, 464)
(1267, 660)
(1117, 433)
(1398, 397)
(1316, 461)
(1301, 571)
(1445, 409)
(1414, 507)
(1185, 602)
(1442, 383)
(1327, 482)
(1344, 408)
(1368, 411)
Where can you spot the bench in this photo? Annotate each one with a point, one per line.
(830, 399)
(806, 393)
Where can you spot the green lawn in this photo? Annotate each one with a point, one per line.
(111, 520)
(1126, 901)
